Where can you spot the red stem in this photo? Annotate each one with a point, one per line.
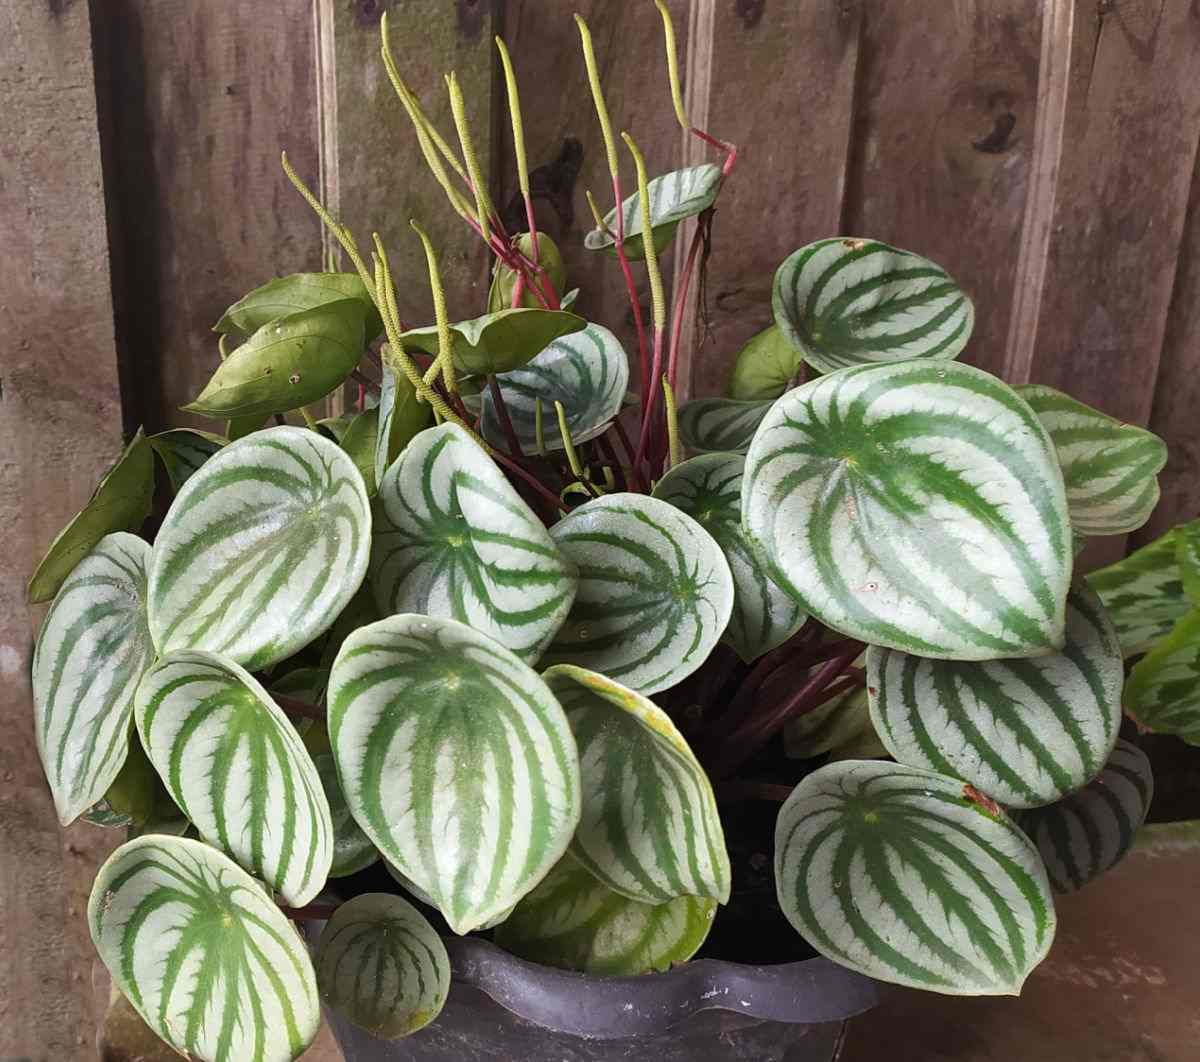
(518, 291)
(631, 289)
(648, 415)
(623, 438)
(794, 649)
(514, 444)
(529, 478)
(300, 709)
(679, 299)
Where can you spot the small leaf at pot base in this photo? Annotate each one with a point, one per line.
(203, 954)
(1163, 691)
(291, 294)
(575, 922)
(500, 341)
(120, 503)
(1090, 831)
(764, 367)
(380, 963)
(673, 196)
(897, 873)
(183, 450)
(720, 425)
(848, 301)
(401, 416)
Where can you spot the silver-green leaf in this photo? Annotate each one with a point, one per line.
(721, 425)
(497, 342)
(673, 196)
(1163, 691)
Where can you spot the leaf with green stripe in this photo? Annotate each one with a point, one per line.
(497, 342)
(452, 538)
(765, 367)
(1163, 691)
(673, 196)
(261, 550)
(183, 450)
(848, 301)
(587, 371)
(92, 650)
(203, 954)
(401, 416)
(456, 760)
(709, 489)
(649, 828)
(575, 922)
(917, 506)
(380, 963)
(908, 876)
(655, 591)
(352, 849)
(1089, 832)
(1110, 468)
(720, 425)
(1024, 731)
(238, 770)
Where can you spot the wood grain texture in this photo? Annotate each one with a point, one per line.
(59, 428)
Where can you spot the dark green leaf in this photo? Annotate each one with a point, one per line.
(764, 366)
(359, 441)
(183, 450)
(291, 294)
(401, 416)
(498, 342)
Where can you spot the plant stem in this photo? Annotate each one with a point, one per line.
(529, 478)
(293, 706)
(506, 424)
(733, 791)
(364, 380)
(309, 420)
(680, 294)
(623, 438)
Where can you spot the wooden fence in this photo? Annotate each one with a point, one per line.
(1044, 151)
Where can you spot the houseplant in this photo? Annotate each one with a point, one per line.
(234, 678)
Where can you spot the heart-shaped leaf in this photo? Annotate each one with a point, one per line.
(452, 538)
(575, 922)
(504, 280)
(497, 342)
(1089, 832)
(848, 301)
(261, 550)
(905, 875)
(673, 196)
(183, 450)
(291, 294)
(655, 592)
(92, 650)
(288, 363)
(1163, 691)
(586, 371)
(918, 506)
(380, 963)
(204, 956)
(456, 760)
(1024, 731)
(720, 425)
(765, 366)
(1110, 468)
(709, 489)
(237, 768)
(401, 416)
(121, 503)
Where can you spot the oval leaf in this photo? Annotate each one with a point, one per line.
(655, 592)
(205, 957)
(238, 770)
(720, 425)
(497, 342)
(456, 760)
(299, 291)
(453, 539)
(917, 506)
(380, 963)
(893, 872)
(848, 301)
(1163, 691)
(1024, 731)
(765, 366)
(401, 416)
(261, 550)
(673, 196)
(183, 450)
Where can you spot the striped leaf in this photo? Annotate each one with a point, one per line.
(401, 416)
(765, 367)
(1187, 556)
(917, 506)
(1024, 731)
(709, 489)
(238, 770)
(586, 371)
(92, 650)
(352, 849)
(1090, 831)
(575, 922)
(380, 963)
(848, 301)
(650, 828)
(655, 592)
(183, 450)
(135, 795)
(897, 873)
(720, 425)
(199, 949)
(456, 760)
(1110, 468)
(1163, 691)
(500, 341)
(673, 196)
(452, 538)
(261, 550)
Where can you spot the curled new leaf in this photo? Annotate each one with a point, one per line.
(673, 196)
(500, 341)
(291, 294)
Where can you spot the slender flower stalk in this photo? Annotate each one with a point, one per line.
(445, 353)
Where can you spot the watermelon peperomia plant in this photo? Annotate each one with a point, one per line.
(432, 632)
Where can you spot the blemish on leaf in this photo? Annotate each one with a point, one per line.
(981, 800)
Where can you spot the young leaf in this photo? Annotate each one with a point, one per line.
(1089, 832)
(261, 550)
(720, 425)
(352, 849)
(1163, 691)
(497, 342)
(573, 921)
(133, 797)
(183, 450)
(907, 876)
(237, 768)
(456, 760)
(1110, 468)
(121, 503)
(504, 280)
(380, 963)
(846, 301)
(649, 828)
(92, 650)
(360, 440)
(291, 294)
(673, 196)
(655, 592)
(452, 538)
(204, 956)
(764, 366)
(401, 416)
(709, 489)
(918, 506)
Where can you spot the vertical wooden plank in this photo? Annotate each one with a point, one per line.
(59, 427)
